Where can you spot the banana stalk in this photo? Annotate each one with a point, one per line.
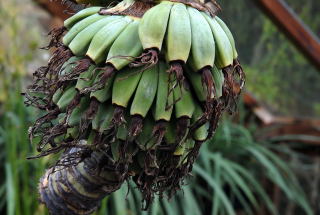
(78, 189)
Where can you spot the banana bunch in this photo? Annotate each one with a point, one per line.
(142, 89)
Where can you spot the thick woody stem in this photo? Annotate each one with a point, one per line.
(74, 190)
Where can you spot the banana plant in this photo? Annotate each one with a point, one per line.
(132, 91)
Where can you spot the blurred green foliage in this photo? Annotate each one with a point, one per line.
(18, 42)
(227, 175)
(276, 72)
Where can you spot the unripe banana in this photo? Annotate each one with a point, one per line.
(77, 28)
(146, 92)
(230, 36)
(59, 139)
(184, 106)
(218, 81)
(203, 43)
(105, 93)
(107, 117)
(69, 65)
(66, 98)
(164, 101)
(122, 132)
(98, 119)
(126, 47)
(200, 89)
(201, 133)
(79, 45)
(77, 113)
(102, 41)
(72, 133)
(86, 78)
(124, 86)
(115, 150)
(102, 119)
(224, 55)
(188, 145)
(57, 95)
(153, 25)
(143, 99)
(180, 150)
(170, 135)
(179, 34)
(68, 23)
(145, 139)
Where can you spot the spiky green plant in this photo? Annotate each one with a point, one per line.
(228, 172)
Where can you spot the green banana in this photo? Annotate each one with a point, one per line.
(184, 106)
(224, 56)
(57, 95)
(59, 139)
(179, 34)
(61, 117)
(164, 101)
(218, 81)
(72, 133)
(86, 78)
(102, 120)
(189, 145)
(68, 23)
(98, 119)
(153, 25)
(107, 117)
(230, 36)
(201, 133)
(180, 150)
(126, 47)
(76, 115)
(145, 139)
(170, 135)
(145, 92)
(124, 85)
(66, 98)
(105, 93)
(122, 132)
(79, 45)
(203, 43)
(201, 90)
(77, 28)
(102, 41)
(143, 100)
(69, 65)
(115, 150)
(91, 137)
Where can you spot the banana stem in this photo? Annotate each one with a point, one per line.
(78, 189)
(120, 7)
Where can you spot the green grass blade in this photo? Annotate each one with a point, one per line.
(225, 201)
